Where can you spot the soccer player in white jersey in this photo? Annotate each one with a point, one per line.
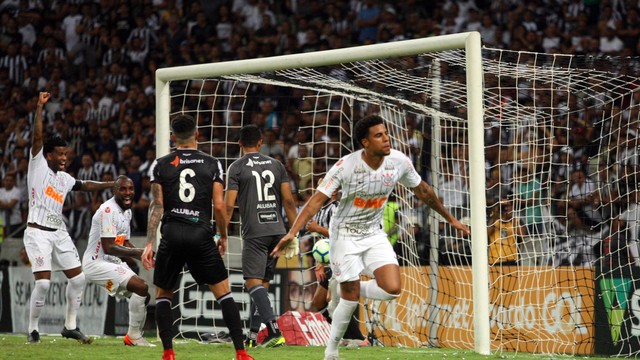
(46, 240)
(358, 243)
(109, 239)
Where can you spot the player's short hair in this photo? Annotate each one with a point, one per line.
(361, 129)
(120, 179)
(183, 126)
(249, 136)
(52, 143)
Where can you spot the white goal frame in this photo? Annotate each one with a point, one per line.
(469, 41)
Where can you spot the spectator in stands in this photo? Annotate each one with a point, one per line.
(10, 213)
(505, 232)
(528, 206)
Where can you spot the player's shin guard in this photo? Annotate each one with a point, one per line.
(231, 317)
(75, 287)
(36, 302)
(341, 317)
(164, 320)
(137, 315)
(371, 290)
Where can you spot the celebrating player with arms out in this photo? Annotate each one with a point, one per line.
(46, 239)
(108, 240)
(184, 184)
(358, 242)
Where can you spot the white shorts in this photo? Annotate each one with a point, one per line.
(50, 250)
(353, 256)
(111, 276)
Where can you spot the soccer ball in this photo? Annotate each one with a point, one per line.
(320, 251)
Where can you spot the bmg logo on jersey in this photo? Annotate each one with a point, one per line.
(374, 203)
(52, 193)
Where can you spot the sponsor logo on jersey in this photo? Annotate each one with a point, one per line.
(250, 163)
(374, 203)
(109, 285)
(107, 210)
(52, 193)
(120, 239)
(177, 161)
(268, 217)
(360, 170)
(186, 212)
(53, 219)
(266, 206)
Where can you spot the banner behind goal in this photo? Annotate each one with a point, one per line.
(534, 151)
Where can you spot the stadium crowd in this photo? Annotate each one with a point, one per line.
(98, 58)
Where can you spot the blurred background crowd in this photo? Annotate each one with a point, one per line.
(98, 58)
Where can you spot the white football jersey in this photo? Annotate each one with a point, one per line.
(110, 221)
(47, 191)
(365, 191)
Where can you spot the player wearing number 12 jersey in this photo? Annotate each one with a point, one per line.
(358, 243)
(185, 183)
(262, 186)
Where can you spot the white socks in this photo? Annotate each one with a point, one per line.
(341, 317)
(75, 287)
(36, 303)
(137, 315)
(371, 290)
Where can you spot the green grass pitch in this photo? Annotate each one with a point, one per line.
(15, 347)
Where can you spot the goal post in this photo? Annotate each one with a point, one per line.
(470, 43)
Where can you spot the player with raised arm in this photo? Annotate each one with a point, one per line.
(184, 185)
(358, 242)
(109, 239)
(262, 186)
(46, 240)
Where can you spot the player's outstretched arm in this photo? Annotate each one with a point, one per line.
(110, 247)
(312, 206)
(425, 193)
(89, 185)
(38, 137)
(156, 208)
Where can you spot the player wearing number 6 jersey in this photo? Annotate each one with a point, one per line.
(184, 185)
(358, 243)
(262, 186)
(46, 239)
(101, 263)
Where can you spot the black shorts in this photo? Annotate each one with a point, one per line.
(257, 263)
(191, 245)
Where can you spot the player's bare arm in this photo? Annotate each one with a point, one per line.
(313, 205)
(288, 202)
(38, 137)
(110, 247)
(425, 193)
(220, 213)
(230, 202)
(88, 185)
(156, 209)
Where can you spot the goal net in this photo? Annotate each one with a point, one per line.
(534, 151)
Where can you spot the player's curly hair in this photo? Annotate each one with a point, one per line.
(183, 126)
(361, 129)
(249, 136)
(52, 143)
